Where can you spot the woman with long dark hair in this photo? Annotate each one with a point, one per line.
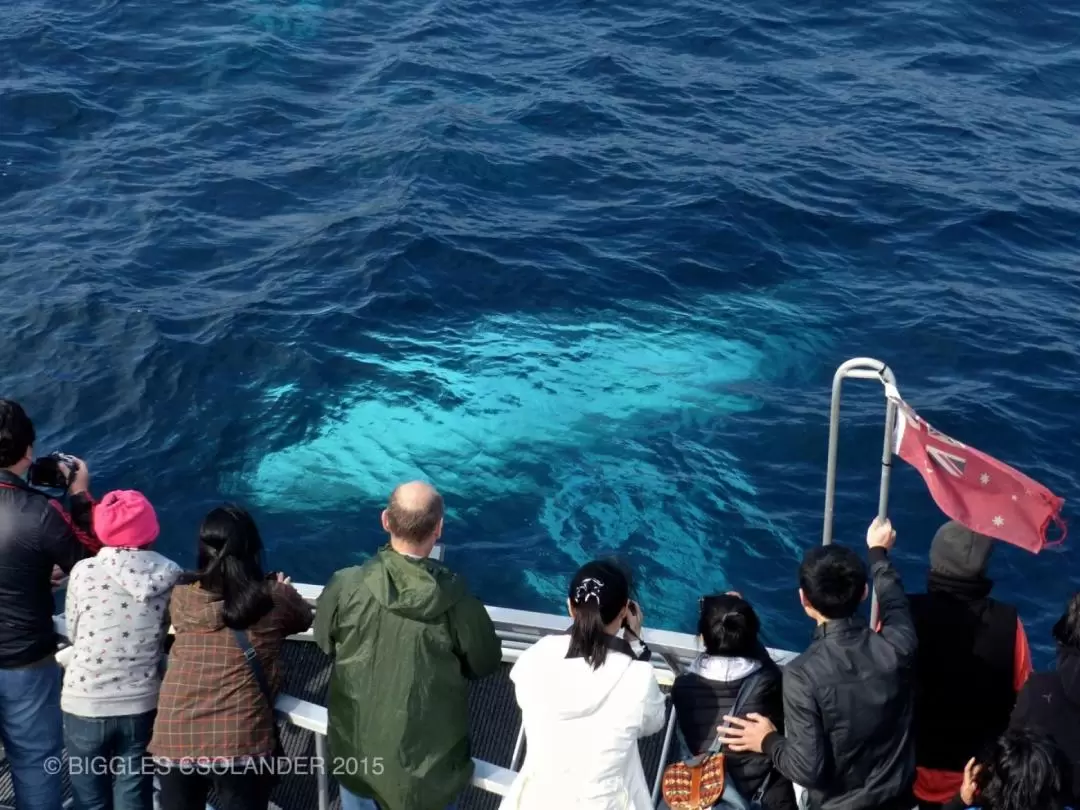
(215, 714)
(586, 697)
(734, 662)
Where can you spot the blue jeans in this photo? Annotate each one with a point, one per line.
(107, 761)
(32, 733)
(350, 801)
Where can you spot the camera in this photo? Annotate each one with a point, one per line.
(54, 471)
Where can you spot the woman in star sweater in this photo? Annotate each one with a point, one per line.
(117, 618)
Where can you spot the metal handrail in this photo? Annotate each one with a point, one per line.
(863, 368)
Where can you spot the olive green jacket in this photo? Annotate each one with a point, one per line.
(406, 637)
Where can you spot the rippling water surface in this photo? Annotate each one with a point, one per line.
(588, 266)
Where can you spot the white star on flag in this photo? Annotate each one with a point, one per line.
(1016, 497)
(984, 479)
(999, 521)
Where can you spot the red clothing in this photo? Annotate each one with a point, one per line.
(939, 787)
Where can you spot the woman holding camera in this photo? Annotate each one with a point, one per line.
(586, 697)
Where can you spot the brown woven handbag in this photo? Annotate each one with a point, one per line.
(698, 783)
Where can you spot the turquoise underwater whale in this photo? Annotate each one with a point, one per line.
(610, 422)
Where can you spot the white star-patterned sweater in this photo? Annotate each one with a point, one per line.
(117, 617)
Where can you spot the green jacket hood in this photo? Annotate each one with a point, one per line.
(420, 589)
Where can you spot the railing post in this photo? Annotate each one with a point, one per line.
(664, 751)
(519, 744)
(322, 776)
(865, 368)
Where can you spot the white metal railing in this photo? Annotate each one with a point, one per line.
(520, 629)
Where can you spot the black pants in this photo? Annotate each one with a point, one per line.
(239, 791)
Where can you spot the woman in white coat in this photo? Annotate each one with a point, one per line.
(586, 698)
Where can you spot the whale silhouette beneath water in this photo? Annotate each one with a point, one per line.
(610, 422)
(296, 18)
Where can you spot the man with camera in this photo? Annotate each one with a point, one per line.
(37, 537)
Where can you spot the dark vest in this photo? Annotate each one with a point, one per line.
(964, 690)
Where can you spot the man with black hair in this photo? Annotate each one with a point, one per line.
(1021, 770)
(406, 637)
(37, 536)
(848, 697)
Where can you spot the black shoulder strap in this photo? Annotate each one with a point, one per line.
(736, 707)
(252, 659)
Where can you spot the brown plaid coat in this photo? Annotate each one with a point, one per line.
(210, 703)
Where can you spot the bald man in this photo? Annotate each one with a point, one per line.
(406, 637)
(414, 519)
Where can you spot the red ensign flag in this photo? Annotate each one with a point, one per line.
(979, 491)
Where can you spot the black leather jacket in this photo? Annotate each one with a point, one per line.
(848, 706)
(36, 533)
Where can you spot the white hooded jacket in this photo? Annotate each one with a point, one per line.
(581, 730)
(116, 611)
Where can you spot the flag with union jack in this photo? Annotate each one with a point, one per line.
(982, 493)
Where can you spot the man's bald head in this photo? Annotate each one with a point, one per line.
(414, 514)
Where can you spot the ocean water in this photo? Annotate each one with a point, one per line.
(588, 267)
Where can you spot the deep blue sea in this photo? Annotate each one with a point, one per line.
(587, 266)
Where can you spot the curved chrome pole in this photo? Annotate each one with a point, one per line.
(665, 751)
(864, 368)
(519, 746)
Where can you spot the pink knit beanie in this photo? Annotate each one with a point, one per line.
(125, 519)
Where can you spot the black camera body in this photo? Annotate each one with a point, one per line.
(54, 471)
